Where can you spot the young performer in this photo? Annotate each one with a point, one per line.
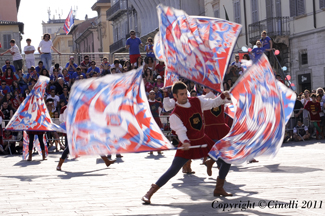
(186, 120)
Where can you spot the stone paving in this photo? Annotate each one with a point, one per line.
(87, 187)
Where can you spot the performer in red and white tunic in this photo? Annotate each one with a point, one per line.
(187, 121)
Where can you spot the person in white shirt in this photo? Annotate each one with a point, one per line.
(29, 54)
(55, 98)
(16, 56)
(44, 49)
(58, 67)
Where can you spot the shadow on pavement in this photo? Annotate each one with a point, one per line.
(70, 175)
(155, 156)
(276, 168)
(25, 163)
(301, 143)
(26, 178)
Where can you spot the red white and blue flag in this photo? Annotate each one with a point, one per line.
(69, 21)
(36, 144)
(112, 115)
(196, 48)
(260, 116)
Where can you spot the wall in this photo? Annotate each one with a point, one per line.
(8, 10)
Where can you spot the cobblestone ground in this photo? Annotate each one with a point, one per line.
(87, 187)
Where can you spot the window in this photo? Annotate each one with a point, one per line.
(6, 41)
(322, 4)
(49, 31)
(297, 7)
(70, 43)
(237, 11)
(216, 10)
(304, 59)
(254, 11)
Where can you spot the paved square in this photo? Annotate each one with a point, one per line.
(87, 187)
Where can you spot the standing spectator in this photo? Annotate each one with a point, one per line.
(16, 56)
(132, 44)
(57, 67)
(155, 108)
(76, 75)
(234, 69)
(9, 76)
(298, 109)
(139, 63)
(266, 43)
(117, 66)
(29, 54)
(71, 66)
(160, 68)
(85, 64)
(55, 99)
(304, 101)
(39, 67)
(7, 111)
(1, 132)
(258, 52)
(44, 49)
(8, 65)
(93, 69)
(314, 109)
(105, 67)
(149, 49)
(65, 96)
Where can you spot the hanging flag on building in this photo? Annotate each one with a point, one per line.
(196, 48)
(69, 21)
(112, 115)
(259, 122)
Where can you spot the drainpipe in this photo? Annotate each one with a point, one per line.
(314, 13)
(245, 16)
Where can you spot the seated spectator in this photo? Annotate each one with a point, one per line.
(7, 111)
(22, 82)
(159, 95)
(148, 75)
(66, 77)
(54, 98)
(26, 93)
(85, 64)
(39, 67)
(15, 87)
(149, 49)
(7, 98)
(139, 62)
(16, 100)
(127, 66)
(113, 71)
(55, 76)
(93, 68)
(57, 67)
(159, 82)
(8, 143)
(32, 75)
(95, 74)
(4, 89)
(105, 67)
(193, 93)
(59, 85)
(8, 65)
(148, 86)
(32, 84)
(300, 132)
(160, 68)
(149, 64)
(117, 66)
(71, 66)
(45, 72)
(1, 75)
(50, 107)
(76, 75)
(234, 70)
(9, 76)
(65, 96)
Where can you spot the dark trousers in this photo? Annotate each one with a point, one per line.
(18, 64)
(179, 162)
(31, 141)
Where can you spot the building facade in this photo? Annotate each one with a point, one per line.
(295, 26)
(141, 16)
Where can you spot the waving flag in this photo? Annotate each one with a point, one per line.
(288, 98)
(230, 110)
(36, 145)
(32, 114)
(259, 123)
(196, 48)
(69, 21)
(112, 116)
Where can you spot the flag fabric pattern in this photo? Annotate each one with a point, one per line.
(32, 114)
(69, 21)
(36, 145)
(112, 116)
(230, 110)
(288, 99)
(259, 122)
(196, 48)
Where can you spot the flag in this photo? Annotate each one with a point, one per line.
(32, 114)
(112, 116)
(36, 145)
(259, 122)
(288, 99)
(69, 21)
(196, 48)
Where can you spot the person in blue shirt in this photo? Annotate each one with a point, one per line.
(76, 75)
(4, 89)
(149, 49)
(65, 96)
(39, 67)
(8, 65)
(266, 43)
(93, 69)
(258, 52)
(71, 66)
(132, 44)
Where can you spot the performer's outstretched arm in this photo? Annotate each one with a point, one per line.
(177, 125)
(207, 103)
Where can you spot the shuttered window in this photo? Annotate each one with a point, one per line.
(278, 8)
(297, 7)
(321, 3)
(237, 11)
(6, 41)
(254, 11)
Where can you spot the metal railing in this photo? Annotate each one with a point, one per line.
(115, 11)
(118, 45)
(274, 26)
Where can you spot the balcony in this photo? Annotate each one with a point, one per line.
(274, 26)
(116, 10)
(117, 46)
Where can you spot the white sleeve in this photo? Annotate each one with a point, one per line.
(208, 95)
(169, 103)
(207, 103)
(177, 125)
